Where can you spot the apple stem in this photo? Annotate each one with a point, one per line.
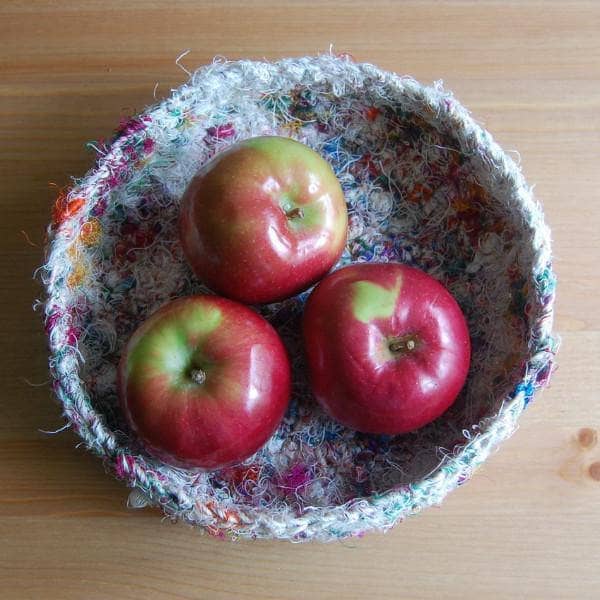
(403, 345)
(294, 213)
(198, 376)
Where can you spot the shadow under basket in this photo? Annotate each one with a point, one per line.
(424, 184)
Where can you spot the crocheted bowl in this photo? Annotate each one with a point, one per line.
(425, 185)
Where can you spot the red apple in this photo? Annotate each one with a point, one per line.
(387, 345)
(263, 220)
(204, 382)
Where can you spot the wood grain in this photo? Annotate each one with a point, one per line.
(528, 524)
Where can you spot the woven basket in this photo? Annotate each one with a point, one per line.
(425, 185)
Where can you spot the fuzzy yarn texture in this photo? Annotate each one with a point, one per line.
(425, 185)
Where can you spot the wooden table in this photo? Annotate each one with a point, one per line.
(528, 525)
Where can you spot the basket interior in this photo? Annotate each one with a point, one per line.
(414, 196)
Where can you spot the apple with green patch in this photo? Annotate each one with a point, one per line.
(204, 382)
(388, 347)
(263, 220)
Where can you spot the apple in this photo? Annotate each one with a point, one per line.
(204, 382)
(263, 220)
(388, 347)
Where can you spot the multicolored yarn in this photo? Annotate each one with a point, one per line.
(425, 185)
